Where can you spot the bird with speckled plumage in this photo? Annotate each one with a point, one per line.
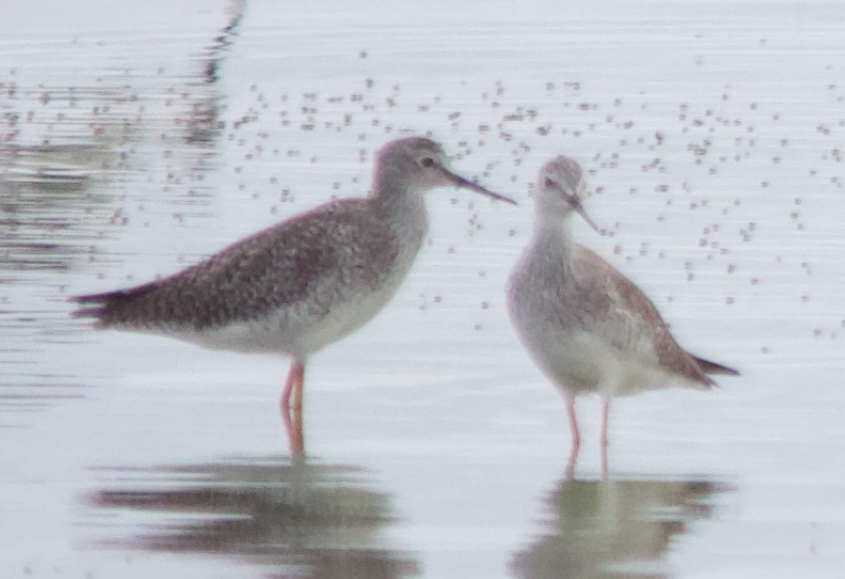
(586, 325)
(302, 284)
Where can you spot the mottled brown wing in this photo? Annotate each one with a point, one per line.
(275, 267)
(631, 321)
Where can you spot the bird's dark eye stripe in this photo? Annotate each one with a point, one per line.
(427, 162)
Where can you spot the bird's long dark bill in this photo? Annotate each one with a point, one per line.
(467, 184)
(576, 204)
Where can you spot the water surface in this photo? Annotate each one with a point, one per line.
(134, 142)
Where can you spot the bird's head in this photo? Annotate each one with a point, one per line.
(416, 165)
(560, 190)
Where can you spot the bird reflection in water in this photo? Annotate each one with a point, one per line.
(307, 520)
(611, 528)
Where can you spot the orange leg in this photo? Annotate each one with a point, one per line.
(293, 428)
(576, 433)
(291, 407)
(293, 388)
(605, 412)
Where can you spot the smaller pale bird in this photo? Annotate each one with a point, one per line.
(587, 326)
(302, 284)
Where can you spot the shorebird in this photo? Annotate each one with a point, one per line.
(586, 325)
(299, 285)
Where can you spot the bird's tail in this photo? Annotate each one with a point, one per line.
(709, 367)
(106, 306)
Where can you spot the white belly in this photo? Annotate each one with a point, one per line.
(298, 329)
(581, 363)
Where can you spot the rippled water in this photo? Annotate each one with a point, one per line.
(136, 139)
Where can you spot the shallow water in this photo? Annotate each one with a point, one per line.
(133, 142)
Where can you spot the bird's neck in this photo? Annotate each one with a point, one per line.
(400, 209)
(553, 235)
(553, 226)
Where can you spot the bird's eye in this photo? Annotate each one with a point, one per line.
(427, 162)
(549, 182)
